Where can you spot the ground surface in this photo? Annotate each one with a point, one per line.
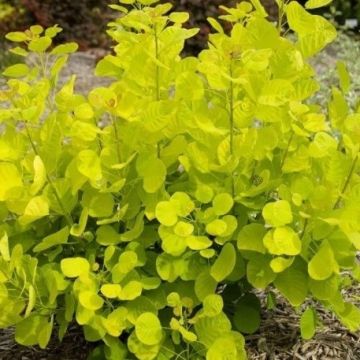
(278, 337)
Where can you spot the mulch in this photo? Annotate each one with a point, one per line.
(277, 339)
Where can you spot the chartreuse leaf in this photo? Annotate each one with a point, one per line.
(322, 145)
(40, 44)
(344, 76)
(115, 348)
(16, 36)
(16, 71)
(183, 228)
(111, 291)
(282, 241)
(324, 289)
(10, 179)
(166, 213)
(212, 305)
(182, 203)
(39, 176)
(65, 49)
(279, 264)
(78, 229)
(314, 4)
(140, 350)
(311, 40)
(4, 247)
(308, 323)
(224, 264)
(131, 290)
(247, 314)
(153, 172)
(148, 329)
(74, 267)
(350, 317)
(90, 300)
(216, 227)
(198, 242)
(223, 348)
(57, 238)
(37, 208)
(278, 213)
(32, 300)
(222, 203)
(115, 323)
(323, 264)
(208, 329)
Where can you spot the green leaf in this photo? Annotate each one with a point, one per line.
(259, 272)
(224, 264)
(344, 76)
(323, 264)
(247, 314)
(293, 284)
(16, 71)
(205, 285)
(27, 331)
(277, 213)
(107, 235)
(251, 238)
(148, 329)
(74, 267)
(350, 317)
(45, 334)
(308, 323)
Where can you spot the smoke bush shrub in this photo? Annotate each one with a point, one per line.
(149, 210)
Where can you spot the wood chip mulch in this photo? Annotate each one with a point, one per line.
(277, 339)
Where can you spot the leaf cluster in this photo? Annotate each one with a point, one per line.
(148, 211)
